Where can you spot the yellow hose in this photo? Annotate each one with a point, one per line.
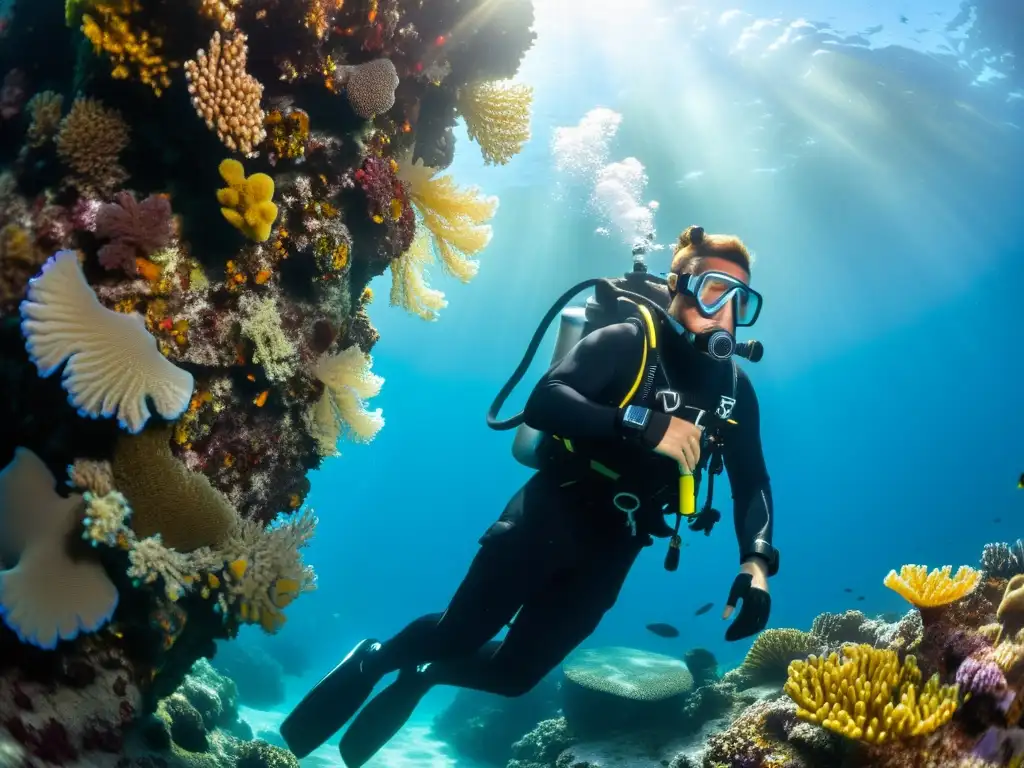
(687, 495)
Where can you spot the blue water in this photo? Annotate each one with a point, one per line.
(877, 176)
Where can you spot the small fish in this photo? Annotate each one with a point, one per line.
(903, 19)
(663, 630)
(1020, 480)
(860, 599)
(847, 590)
(997, 519)
(703, 609)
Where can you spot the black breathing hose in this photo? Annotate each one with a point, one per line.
(531, 350)
(538, 336)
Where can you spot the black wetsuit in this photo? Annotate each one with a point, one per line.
(560, 551)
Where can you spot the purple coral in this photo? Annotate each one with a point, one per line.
(134, 229)
(980, 677)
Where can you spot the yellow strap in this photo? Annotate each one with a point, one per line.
(651, 340)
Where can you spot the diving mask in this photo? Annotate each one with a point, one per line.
(713, 290)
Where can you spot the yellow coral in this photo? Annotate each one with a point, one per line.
(132, 51)
(246, 201)
(348, 384)
(497, 115)
(869, 695)
(456, 218)
(409, 288)
(929, 590)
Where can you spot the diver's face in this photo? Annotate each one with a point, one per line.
(684, 308)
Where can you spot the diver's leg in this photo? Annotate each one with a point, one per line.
(488, 597)
(548, 628)
(555, 620)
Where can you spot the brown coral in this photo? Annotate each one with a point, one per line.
(225, 95)
(370, 87)
(773, 650)
(45, 109)
(90, 140)
(167, 498)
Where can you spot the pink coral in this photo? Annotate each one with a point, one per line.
(134, 229)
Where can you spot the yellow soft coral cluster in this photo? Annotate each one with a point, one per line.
(348, 384)
(456, 218)
(930, 590)
(247, 201)
(869, 695)
(497, 115)
(225, 95)
(133, 51)
(409, 287)
(220, 11)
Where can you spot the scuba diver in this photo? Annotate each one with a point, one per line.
(620, 429)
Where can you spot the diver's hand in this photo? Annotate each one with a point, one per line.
(750, 586)
(681, 443)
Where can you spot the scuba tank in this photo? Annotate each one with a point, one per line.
(575, 323)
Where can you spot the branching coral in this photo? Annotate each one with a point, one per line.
(48, 596)
(90, 140)
(225, 95)
(132, 49)
(135, 230)
(456, 218)
(930, 590)
(497, 116)
(45, 110)
(869, 695)
(1001, 560)
(246, 201)
(348, 384)
(370, 87)
(265, 572)
(111, 363)
(261, 324)
(409, 288)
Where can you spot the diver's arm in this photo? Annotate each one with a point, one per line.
(751, 489)
(571, 399)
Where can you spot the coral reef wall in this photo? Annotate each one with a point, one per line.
(194, 197)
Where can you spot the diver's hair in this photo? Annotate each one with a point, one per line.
(695, 244)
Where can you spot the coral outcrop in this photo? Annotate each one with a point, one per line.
(183, 337)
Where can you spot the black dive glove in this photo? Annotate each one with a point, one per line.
(753, 616)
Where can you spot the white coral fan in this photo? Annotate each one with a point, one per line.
(113, 364)
(47, 596)
(348, 384)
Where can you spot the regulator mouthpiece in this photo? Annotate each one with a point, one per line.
(718, 344)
